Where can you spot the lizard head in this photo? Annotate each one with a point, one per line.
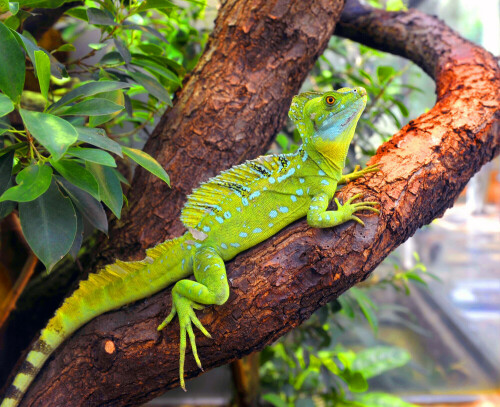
(328, 120)
(335, 113)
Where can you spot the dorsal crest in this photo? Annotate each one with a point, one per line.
(237, 180)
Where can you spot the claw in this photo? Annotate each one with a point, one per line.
(354, 217)
(353, 198)
(167, 319)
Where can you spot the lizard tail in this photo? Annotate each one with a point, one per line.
(113, 286)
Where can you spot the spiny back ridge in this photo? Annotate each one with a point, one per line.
(235, 180)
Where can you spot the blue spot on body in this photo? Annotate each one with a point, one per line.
(223, 245)
(283, 209)
(321, 172)
(299, 192)
(206, 267)
(302, 180)
(271, 225)
(244, 201)
(206, 229)
(273, 214)
(271, 180)
(293, 198)
(189, 247)
(235, 244)
(313, 207)
(325, 182)
(238, 209)
(327, 217)
(183, 261)
(243, 234)
(257, 230)
(222, 277)
(219, 219)
(290, 172)
(254, 195)
(227, 214)
(197, 245)
(199, 292)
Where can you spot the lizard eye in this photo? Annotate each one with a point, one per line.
(330, 100)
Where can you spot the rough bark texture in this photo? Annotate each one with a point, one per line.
(279, 283)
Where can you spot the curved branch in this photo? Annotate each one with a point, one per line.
(279, 283)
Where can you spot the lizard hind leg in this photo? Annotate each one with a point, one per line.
(211, 287)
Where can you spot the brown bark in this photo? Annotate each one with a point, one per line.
(279, 283)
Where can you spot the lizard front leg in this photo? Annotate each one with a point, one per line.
(211, 287)
(358, 173)
(319, 217)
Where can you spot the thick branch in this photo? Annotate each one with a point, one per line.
(278, 284)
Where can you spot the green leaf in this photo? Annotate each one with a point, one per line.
(367, 307)
(156, 68)
(54, 133)
(384, 73)
(110, 189)
(147, 162)
(65, 48)
(123, 50)
(78, 12)
(93, 155)
(42, 63)
(49, 225)
(374, 361)
(6, 105)
(99, 17)
(88, 89)
(401, 106)
(97, 137)
(149, 4)
(32, 182)
(355, 381)
(90, 208)
(14, 7)
(12, 68)
(381, 400)
(97, 46)
(115, 96)
(77, 175)
(77, 243)
(275, 400)
(6, 163)
(90, 107)
(149, 48)
(152, 86)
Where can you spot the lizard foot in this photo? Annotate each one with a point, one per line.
(358, 173)
(350, 208)
(185, 307)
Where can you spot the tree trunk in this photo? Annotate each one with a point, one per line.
(279, 283)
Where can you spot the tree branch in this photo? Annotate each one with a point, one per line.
(279, 283)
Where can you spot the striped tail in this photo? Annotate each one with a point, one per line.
(113, 286)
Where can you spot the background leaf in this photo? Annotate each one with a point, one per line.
(147, 162)
(152, 86)
(54, 133)
(6, 163)
(42, 63)
(11, 72)
(49, 225)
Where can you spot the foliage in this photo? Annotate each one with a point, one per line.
(311, 368)
(58, 139)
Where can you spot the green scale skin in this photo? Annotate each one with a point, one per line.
(230, 213)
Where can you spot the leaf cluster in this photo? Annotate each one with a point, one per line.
(59, 145)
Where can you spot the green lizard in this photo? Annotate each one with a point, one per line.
(230, 213)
